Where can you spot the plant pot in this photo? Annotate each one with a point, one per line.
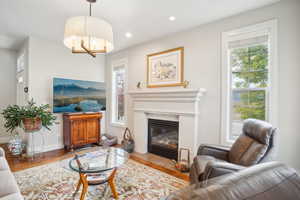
(32, 124)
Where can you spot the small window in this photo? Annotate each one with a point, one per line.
(21, 63)
(248, 74)
(249, 85)
(118, 94)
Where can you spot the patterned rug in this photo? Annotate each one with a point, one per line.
(134, 181)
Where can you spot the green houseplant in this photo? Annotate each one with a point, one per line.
(30, 117)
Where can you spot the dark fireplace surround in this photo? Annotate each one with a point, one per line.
(163, 138)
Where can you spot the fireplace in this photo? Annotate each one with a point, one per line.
(163, 138)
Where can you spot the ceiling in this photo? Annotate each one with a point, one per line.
(145, 19)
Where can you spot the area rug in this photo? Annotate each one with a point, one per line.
(134, 181)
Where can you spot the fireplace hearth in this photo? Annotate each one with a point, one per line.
(163, 138)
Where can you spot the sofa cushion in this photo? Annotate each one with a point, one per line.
(14, 196)
(246, 151)
(3, 164)
(268, 181)
(253, 154)
(239, 148)
(8, 184)
(2, 153)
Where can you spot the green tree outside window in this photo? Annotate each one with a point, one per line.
(249, 78)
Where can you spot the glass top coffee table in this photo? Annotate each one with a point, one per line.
(91, 165)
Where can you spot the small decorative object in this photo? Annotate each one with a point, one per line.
(108, 140)
(30, 117)
(26, 89)
(128, 142)
(15, 146)
(138, 85)
(183, 164)
(165, 69)
(186, 84)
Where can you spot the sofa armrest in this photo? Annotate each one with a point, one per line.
(219, 152)
(215, 169)
(2, 152)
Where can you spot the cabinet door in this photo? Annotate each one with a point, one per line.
(78, 132)
(93, 131)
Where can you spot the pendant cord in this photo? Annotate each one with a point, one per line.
(89, 40)
(90, 9)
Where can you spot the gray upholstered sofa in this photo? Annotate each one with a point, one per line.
(8, 186)
(267, 181)
(255, 145)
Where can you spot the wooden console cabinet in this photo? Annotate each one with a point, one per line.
(81, 129)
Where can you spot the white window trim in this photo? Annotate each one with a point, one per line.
(115, 64)
(269, 28)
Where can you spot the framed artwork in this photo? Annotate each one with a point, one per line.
(78, 96)
(165, 69)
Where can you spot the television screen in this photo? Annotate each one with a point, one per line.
(78, 96)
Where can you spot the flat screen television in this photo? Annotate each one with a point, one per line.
(78, 96)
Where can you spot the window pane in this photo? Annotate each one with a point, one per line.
(21, 63)
(258, 56)
(120, 95)
(118, 92)
(247, 59)
(246, 104)
(239, 59)
(257, 79)
(253, 79)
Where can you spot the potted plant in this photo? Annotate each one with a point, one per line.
(30, 117)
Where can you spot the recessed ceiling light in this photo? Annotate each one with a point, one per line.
(172, 18)
(128, 35)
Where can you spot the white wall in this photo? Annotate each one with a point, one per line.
(203, 64)
(48, 60)
(8, 63)
(21, 96)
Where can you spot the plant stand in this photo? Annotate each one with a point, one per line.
(32, 150)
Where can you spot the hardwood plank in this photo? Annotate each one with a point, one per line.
(162, 164)
(18, 163)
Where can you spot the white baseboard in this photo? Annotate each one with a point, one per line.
(4, 139)
(53, 147)
(46, 148)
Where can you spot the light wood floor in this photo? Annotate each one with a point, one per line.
(18, 163)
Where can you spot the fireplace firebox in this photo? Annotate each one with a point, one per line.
(163, 138)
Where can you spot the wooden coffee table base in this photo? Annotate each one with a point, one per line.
(85, 183)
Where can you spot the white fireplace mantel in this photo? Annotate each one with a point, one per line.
(181, 105)
(177, 95)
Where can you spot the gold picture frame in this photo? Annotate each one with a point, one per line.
(165, 69)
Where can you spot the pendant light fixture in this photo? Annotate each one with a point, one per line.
(87, 34)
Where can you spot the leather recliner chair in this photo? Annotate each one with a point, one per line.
(255, 145)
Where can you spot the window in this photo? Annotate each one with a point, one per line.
(21, 63)
(248, 78)
(118, 93)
